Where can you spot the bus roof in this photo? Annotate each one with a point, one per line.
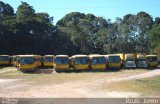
(96, 56)
(79, 56)
(61, 56)
(151, 56)
(93, 54)
(111, 55)
(4, 55)
(26, 55)
(48, 55)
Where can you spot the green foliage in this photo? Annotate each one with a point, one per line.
(28, 32)
(155, 37)
(6, 9)
(24, 11)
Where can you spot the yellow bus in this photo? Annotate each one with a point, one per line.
(61, 63)
(80, 62)
(15, 63)
(48, 60)
(113, 61)
(38, 60)
(122, 58)
(27, 63)
(13, 60)
(4, 60)
(97, 62)
(152, 60)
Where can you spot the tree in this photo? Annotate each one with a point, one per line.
(144, 24)
(134, 32)
(24, 11)
(6, 9)
(70, 19)
(155, 37)
(28, 32)
(125, 41)
(157, 20)
(82, 30)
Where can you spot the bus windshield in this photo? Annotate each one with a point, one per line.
(4, 58)
(62, 60)
(130, 59)
(114, 59)
(141, 59)
(98, 60)
(81, 60)
(151, 58)
(48, 59)
(27, 60)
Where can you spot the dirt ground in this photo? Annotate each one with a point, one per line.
(21, 87)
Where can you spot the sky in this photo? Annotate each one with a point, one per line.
(108, 9)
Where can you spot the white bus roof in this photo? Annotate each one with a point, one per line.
(48, 55)
(79, 56)
(4, 55)
(26, 55)
(151, 55)
(61, 56)
(111, 55)
(96, 56)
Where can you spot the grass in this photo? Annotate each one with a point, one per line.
(146, 87)
(12, 73)
(83, 76)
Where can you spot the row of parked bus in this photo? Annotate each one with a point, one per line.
(93, 62)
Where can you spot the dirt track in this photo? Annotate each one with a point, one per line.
(75, 89)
